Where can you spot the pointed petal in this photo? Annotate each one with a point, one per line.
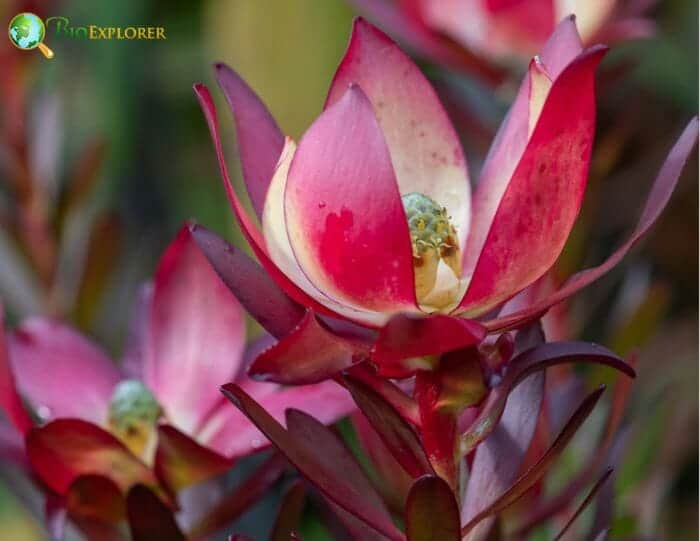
(656, 202)
(406, 337)
(232, 435)
(321, 457)
(196, 334)
(250, 230)
(60, 371)
(345, 218)
(150, 518)
(431, 511)
(65, 449)
(181, 462)
(259, 139)
(280, 249)
(10, 401)
(308, 354)
(527, 219)
(425, 150)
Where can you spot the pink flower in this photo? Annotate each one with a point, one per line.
(370, 217)
(160, 421)
(501, 31)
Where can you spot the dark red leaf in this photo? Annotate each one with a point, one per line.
(657, 200)
(181, 462)
(529, 362)
(149, 517)
(389, 391)
(253, 287)
(396, 434)
(290, 512)
(499, 458)
(95, 497)
(318, 455)
(65, 449)
(309, 354)
(587, 500)
(259, 139)
(537, 470)
(233, 505)
(431, 511)
(406, 338)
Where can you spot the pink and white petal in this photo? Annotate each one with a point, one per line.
(425, 150)
(495, 29)
(543, 197)
(231, 434)
(196, 334)
(250, 230)
(61, 372)
(512, 138)
(280, 250)
(260, 140)
(10, 401)
(345, 219)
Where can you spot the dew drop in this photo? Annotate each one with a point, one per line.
(44, 413)
(321, 204)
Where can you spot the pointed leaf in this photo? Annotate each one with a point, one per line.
(529, 362)
(431, 511)
(65, 449)
(310, 353)
(396, 434)
(241, 498)
(290, 512)
(259, 139)
(322, 459)
(537, 470)
(259, 294)
(181, 462)
(587, 500)
(150, 518)
(499, 458)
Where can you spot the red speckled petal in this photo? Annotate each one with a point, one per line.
(345, 219)
(542, 198)
(425, 150)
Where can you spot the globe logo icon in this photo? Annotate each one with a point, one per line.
(27, 32)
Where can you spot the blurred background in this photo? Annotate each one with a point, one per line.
(104, 153)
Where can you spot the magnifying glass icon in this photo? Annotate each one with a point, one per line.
(27, 32)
